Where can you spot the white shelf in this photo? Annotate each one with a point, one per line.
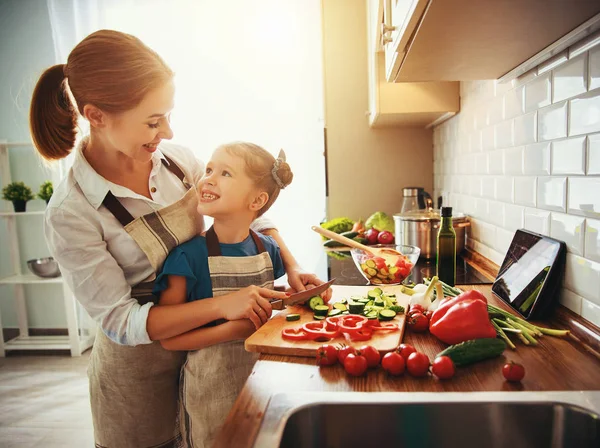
(28, 279)
(7, 214)
(47, 343)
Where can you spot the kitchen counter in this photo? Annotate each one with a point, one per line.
(555, 364)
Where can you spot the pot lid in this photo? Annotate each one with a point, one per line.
(427, 215)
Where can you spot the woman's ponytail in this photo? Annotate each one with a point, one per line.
(52, 116)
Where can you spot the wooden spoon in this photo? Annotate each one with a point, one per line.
(383, 252)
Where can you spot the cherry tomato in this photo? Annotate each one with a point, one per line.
(405, 350)
(417, 307)
(418, 322)
(443, 367)
(393, 363)
(327, 355)
(417, 364)
(371, 354)
(345, 351)
(513, 371)
(355, 365)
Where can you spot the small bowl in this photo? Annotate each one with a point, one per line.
(44, 267)
(378, 272)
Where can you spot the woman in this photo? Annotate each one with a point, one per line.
(125, 203)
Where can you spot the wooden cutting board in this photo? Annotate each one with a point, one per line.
(267, 339)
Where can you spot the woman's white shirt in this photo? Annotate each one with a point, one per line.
(98, 259)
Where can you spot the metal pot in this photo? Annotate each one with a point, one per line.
(420, 228)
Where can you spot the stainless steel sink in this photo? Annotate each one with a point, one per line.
(422, 420)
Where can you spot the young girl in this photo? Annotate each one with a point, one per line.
(240, 183)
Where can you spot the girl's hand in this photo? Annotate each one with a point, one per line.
(301, 280)
(251, 303)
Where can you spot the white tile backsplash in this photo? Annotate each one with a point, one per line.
(537, 221)
(570, 300)
(513, 160)
(583, 277)
(568, 156)
(570, 79)
(584, 196)
(536, 159)
(538, 93)
(503, 134)
(584, 114)
(552, 122)
(594, 64)
(504, 188)
(593, 158)
(525, 129)
(525, 190)
(569, 229)
(527, 154)
(591, 312)
(592, 239)
(551, 193)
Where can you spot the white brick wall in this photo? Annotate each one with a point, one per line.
(527, 154)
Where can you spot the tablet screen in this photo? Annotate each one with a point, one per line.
(524, 270)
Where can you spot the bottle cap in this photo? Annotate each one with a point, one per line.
(446, 212)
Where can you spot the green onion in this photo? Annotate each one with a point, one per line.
(502, 334)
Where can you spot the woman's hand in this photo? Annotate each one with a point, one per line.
(251, 303)
(301, 280)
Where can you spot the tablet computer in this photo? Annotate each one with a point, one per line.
(531, 273)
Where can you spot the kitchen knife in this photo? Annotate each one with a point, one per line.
(302, 296)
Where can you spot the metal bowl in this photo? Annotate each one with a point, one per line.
(44, 267)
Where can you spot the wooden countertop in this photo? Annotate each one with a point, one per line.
(554, 364)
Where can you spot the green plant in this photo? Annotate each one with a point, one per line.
(17, 191)
(46, 190)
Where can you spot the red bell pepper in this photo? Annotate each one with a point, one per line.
(461, 320)
(351, 323)
(446, 304)
(375, 325)
(361, 334)
(294, 334)
(318, 330)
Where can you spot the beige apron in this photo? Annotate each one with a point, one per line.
(134, 390)
(212, 378)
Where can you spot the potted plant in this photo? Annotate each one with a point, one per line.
(46, 190)
(18, 193)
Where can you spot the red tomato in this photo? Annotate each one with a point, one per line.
(371, 354)
(401, 262)
(417, 307)
(355, 365)
(403, 271)
(417, 364)
(327, 355)
(405, 350)
(513, 371)
(443, 367)
(345, 351)
(393, 363)
(380, 263)
(418, 322)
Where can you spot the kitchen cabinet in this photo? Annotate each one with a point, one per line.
(402, 104)
(460, 40)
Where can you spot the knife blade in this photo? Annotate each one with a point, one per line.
(301, 296)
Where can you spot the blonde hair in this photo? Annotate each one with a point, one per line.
(261, 168)
(108, 69)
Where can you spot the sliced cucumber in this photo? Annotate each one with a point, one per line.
(315, 317)
(334, 312)
(379, 302)
(321, 310)
(292, 317)
(315, 301)
(374, 293)
(363, 300)
(387, 315)
(340, 306)
(345, 312)
(356, 307)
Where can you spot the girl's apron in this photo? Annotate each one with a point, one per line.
(134, 390)
(212, 377)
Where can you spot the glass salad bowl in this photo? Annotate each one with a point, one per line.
(391, 270)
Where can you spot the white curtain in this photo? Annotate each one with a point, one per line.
(245, 70)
